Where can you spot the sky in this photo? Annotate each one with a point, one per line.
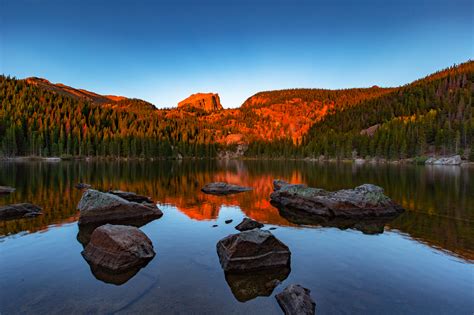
(164, 51)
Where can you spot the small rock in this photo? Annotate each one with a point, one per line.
(248, 224)
(272, 228)
(228, 221)
(220, 188)
(296, 300)
(118, 248)
(5, 190)
(19, 210)
(252, 250)
(215, 225)
(82, 186)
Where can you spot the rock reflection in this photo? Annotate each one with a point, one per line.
(248, 286)
(366, 225)
(114, 277)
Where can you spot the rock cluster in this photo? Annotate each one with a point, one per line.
(362, 202)
(97, 207)
(221, 188)
(19, 210)
(449, 160)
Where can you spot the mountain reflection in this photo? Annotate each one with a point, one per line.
(439, 200)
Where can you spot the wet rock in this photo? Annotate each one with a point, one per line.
(448, 160)
(220, 188)
(5, 190)
(248, 224)
(82, 186)
(296, 300)
(18, 211)
(228, 221)
(130, 196)
(118, 248)
(215, 225)
(272, 228)
(252, 250)
(362, 202)
(98, 207)
(248, 286)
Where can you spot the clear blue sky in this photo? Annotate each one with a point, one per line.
(164, 51)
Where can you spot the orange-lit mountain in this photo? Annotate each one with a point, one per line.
(264, 116)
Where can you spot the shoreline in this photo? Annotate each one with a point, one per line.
(356, 161)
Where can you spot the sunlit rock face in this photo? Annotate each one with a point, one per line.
(208, 102)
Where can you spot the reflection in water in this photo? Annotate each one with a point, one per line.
(439, 200)
(365, 225)
(115, 277)
(248, 286)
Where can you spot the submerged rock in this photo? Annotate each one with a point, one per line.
(130, 196)
(82, 186)
(248, 224)
(228, 221)
(98, 207)
(448, 160)
(118, 248)
(252, 250)
(18, 211)
(220, 188)
(5, 190)
(248, 286)
(296, 300)
(364, 201)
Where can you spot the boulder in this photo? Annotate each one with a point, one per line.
(449, 160)
(252, 250)
(296, 300)
(248, 224)
(362, 202)
(18, 211)
(118, 248)
(220, 188)
(207, 102)
(130, 196)
(248, 286)
(98, 207)
(5, 190)
(82, 186)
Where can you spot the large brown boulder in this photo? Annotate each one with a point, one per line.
(221, 188)
(208, 102)
(5, 190)
(118, 248)
(362, 202)
(252, 250)
(296, 300)
(98, 207)
(19, 210)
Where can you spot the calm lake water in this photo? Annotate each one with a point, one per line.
(419, 263)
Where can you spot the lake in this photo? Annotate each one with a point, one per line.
(419, 263)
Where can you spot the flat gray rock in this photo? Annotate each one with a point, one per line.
(296, 300)
(221, 188)
(5, 190)
(18, 211)
(252, 250)
(99, 207)
(364, 201)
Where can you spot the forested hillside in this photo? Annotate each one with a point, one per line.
(429, 116)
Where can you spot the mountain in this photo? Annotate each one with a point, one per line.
(208, 102)
(432, 115)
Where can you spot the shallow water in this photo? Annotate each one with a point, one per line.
(421, 262)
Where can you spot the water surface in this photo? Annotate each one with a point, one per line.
(421, 262)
